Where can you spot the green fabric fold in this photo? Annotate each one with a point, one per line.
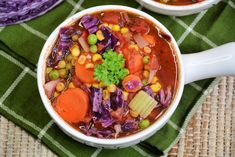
(20, 47)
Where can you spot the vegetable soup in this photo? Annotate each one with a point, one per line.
(111, 74)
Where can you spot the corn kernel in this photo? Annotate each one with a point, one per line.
(134, 114)
(111, 88)
(89, 65)
(106, 24)
(125, 95)
(61, 64)
(71, 85)
(60, 86)
(68, 66)
(48, 70)
(88, 85)
(106, 94)
(146, 74)
(100, 35)
(56, 94)
(116, 28)
(75, 50)
(82, 59)
(134, 46)
(96, 57)
(95, 85)
(69, 58)
(147, 49)
(75, 37)
(124, 30)
(110, 26)
(155, 87)
(101, 84)
(155, 79)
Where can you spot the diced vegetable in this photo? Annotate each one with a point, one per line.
(146, 74)
(140, 40)
(116, 28)
(89, 65)
(90, 23)
(156, 87)
(93, 48)
(92, 39)
(150, 39)
(61, 64)
(60, 86)
(82, 59)
(144, 124)
(69, 57)
(84, 44)
(134, 114)
(75, 51)
(63, 73)
(50, 87)
(147, 49)
(146, 59)
(100, 35)
(132, 83)
(71, 85)
(124, 30)
(143, 104)
(96, 57)
(54, 74)
(72, 105)
(112, 88)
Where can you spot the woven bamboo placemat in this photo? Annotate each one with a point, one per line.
(211, 131)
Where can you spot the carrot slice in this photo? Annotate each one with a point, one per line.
(132, 83)
(84, 74)
(72, 105)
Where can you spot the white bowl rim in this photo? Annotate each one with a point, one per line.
(194, 6)
(99, 141)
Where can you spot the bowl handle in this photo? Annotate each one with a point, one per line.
(219, 61)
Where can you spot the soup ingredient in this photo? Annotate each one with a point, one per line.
(90, 23)
(129, 125)
(132, 83)
(92, 39)
(148, 90)
(72, 105)
(93, 49)
(96, 95)
(100, 35)
(82, 59)
(75, 50)
(60, 86)
(112, 70)
(54, 74)
(117, 99)
(96, 57)
(84, 44)
(143, 104)
(144, 124)
(134, 114)
(111, 88)
(61, 64)
(146, 59)
(165, 97)
(150, 39)
(140, 40)
(156, 87)
(110, 40)
(134, 60)
(84, 74)
(50, 87)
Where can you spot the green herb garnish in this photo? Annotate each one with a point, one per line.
(112, 70)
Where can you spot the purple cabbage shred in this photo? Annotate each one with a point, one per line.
(165, 97)
(117, 99)
(90, 23)
(129, 125)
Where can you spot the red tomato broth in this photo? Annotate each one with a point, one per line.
(166, 72)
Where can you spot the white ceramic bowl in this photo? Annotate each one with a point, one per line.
(123, 141)
(180, 10)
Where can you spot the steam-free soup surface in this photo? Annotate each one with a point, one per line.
(111, 74)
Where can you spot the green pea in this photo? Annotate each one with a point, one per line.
(92, 39)
(93, 48)
(145, 82)
(63, 73)
(54, 74)
(146, 59)
(144, 124)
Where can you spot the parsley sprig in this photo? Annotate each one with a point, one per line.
(112, 70)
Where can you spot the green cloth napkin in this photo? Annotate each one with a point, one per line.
(20, 47)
